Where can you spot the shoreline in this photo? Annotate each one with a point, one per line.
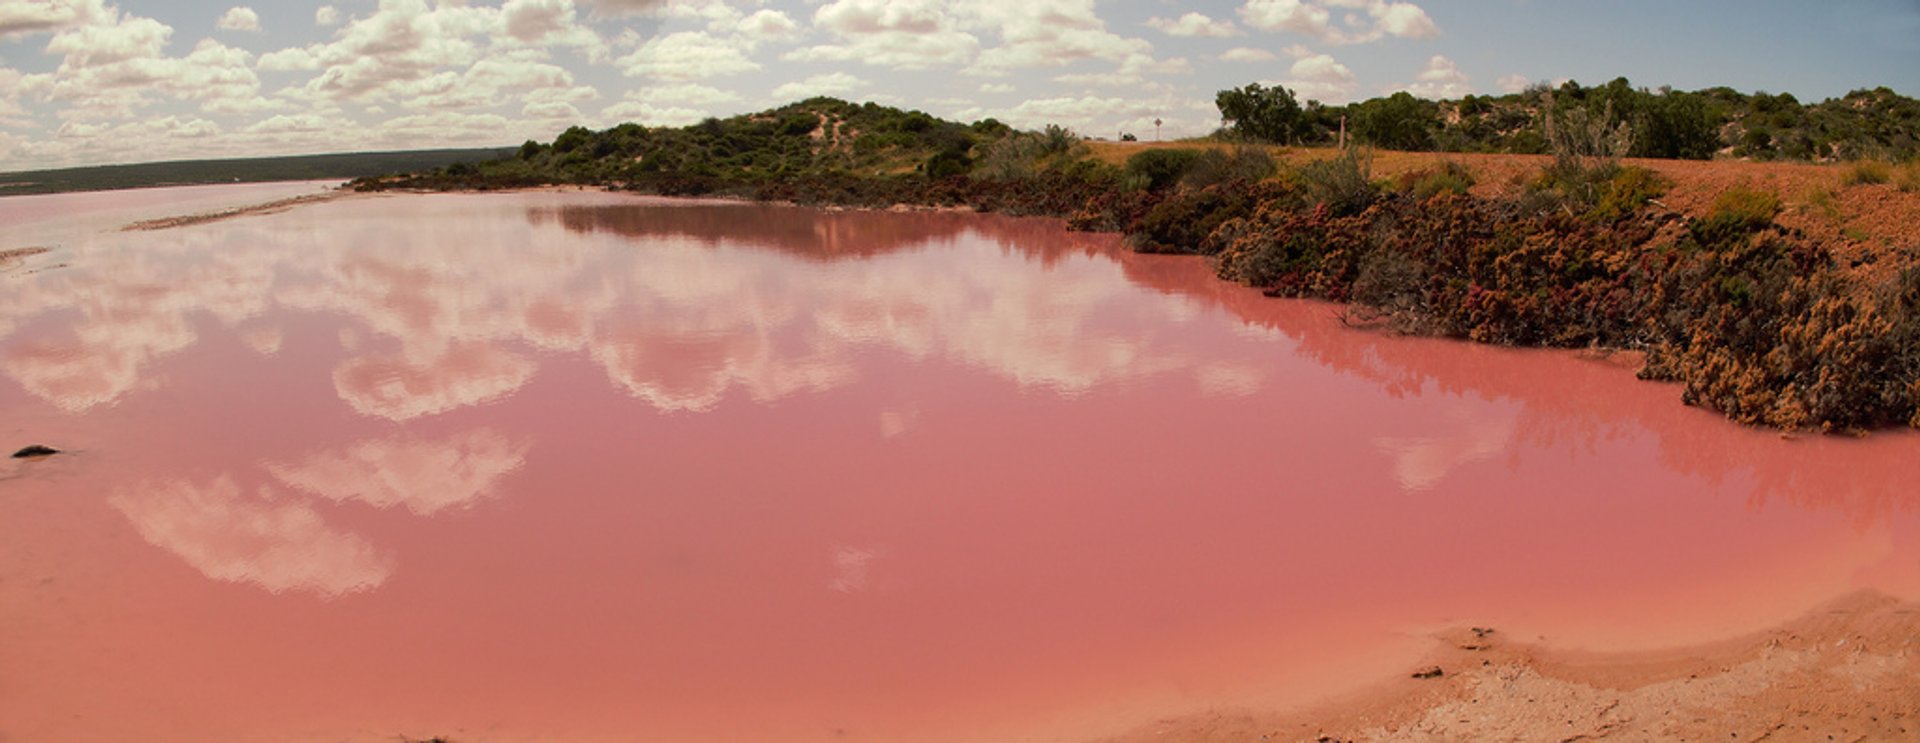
(1843, 670)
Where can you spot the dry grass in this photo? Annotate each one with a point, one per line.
(1866, 173)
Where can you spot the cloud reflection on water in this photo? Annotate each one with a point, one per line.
(261, 538)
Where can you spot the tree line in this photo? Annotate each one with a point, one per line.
(1864, 124)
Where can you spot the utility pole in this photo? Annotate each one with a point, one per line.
(1343, 131)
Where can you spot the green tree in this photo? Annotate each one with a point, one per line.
(1396, 122)
(1676, 125)
(1259, 112)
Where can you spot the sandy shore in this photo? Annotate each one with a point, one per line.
(1846, 671)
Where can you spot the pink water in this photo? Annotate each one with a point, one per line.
(579, 466)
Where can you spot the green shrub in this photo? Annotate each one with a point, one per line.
(1736, 213)
(1243, 163)
(1162, 167)
(1750, 207)
(1343, 183)
(1586, 148)
(1450, 178)
(1628, 192)
(1866, 173)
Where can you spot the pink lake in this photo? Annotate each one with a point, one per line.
(584, 467)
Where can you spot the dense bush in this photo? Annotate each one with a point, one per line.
(1251, 164)
(1162, 168)
(1343, 183)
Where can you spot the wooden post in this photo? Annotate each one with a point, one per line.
(1343, 131)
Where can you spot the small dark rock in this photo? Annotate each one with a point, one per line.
(1482, 631)
(1430, 672)
(35, 450)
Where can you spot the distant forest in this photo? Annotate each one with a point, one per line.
(247, 170)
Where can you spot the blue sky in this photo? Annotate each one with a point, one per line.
(99, 81)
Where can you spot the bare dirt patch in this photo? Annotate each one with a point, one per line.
(271, 207)
(12, 258)
(1849, 670)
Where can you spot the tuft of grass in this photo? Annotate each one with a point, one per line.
(1866, 173)
(1822, 200)
(1629, 191)
(1908, 178)
(1450, 178)
(1736, 213)
(1750, 208)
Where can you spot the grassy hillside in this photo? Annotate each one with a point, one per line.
(256, 169)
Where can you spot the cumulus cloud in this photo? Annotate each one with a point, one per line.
(1194, 24)
(687, 55)
(767, 25)
(904, 34)
(1513, 83)
(34, 16)
(239, 18)
(1247, 54)
(1320, 77)
(1440, 79)
(1049, 35)
(687, 94)
(326, 15)
(1361, 21)
(641, 112)
(833, 83)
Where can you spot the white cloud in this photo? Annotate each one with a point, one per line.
(1320, 77)
(1440, 79)
(239, 18)
(1376, 20)
(903, 34)
(35, 16)
(1247, 54)
(1513, 83)
(1048, 34)
(834, 84)
(1194, 24)
(687, 55)
(685, 94)
(326, 15)
(292, 58)
(650, 115)
(768, 25)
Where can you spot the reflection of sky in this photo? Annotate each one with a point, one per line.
(677, 324)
